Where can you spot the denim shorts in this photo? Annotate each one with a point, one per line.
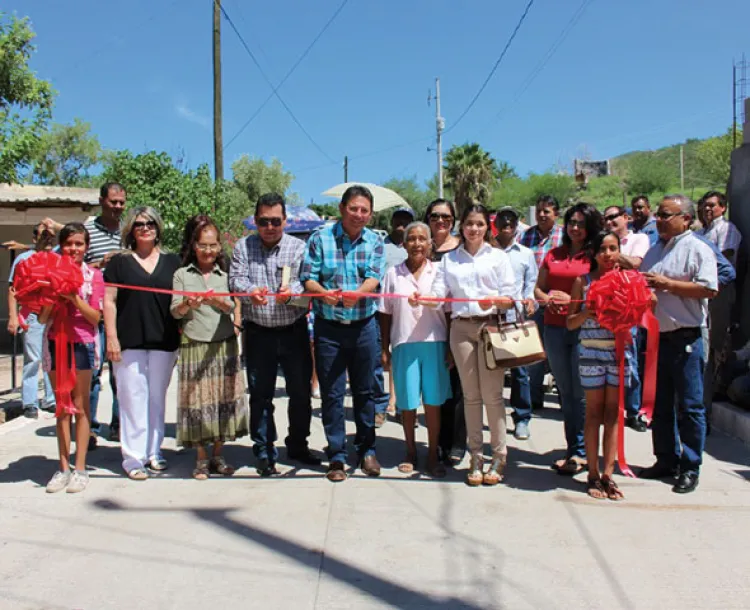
(84, 354)
(599, 368)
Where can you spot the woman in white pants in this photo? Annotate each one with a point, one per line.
(142, 339)
(476, 270)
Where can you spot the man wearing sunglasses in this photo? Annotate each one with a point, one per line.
(275, 333)
(682, 271)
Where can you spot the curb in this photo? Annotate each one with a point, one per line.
(731, 420)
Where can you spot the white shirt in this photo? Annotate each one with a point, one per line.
(635, 244)
(687, 259)
(725, 235)
(412, 324)
(486, 274)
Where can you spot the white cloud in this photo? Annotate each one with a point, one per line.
(185, 112)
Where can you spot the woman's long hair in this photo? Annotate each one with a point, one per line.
(476, 208)
(594, 223)
(596, 245)
(193, 229)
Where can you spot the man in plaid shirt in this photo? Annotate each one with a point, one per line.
(347, 257)
(275, 332)
(541, 238)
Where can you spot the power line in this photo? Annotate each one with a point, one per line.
(288, 74)
(270, 84)
(545, 60)
(494, 68)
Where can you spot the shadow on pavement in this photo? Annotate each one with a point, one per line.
(35, 468)
(367, 582)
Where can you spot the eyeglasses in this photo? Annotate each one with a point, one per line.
(140, 224)
(435, 217)
(667, 215)
(580, 224)
(267, 222)
(208, 247)
(613, 217)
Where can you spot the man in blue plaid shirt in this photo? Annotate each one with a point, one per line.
(541, 238)
(347, 258)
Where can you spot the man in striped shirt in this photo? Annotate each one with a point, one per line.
(104, 233)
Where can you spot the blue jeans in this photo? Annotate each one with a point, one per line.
(520, 394)
(265, 350)
(32, 360)
(679, 424)
(633, 384)
(96, 385)
(354, 348)
(382, 396)
(537, 371)
(561, 346)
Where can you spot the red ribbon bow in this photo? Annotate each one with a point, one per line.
(622, 300)
(40, 281)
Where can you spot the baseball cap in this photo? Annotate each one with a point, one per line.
(403, 210)
(508, 210)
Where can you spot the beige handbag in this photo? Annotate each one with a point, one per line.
(512, 344)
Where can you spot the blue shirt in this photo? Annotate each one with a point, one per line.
(338, 263)
(724, 267)
(523, 262)
(21, 257)
(649, 229)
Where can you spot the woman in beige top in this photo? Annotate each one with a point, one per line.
(211, 406)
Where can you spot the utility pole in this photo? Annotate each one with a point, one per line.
(440, 125)
(218, 137)
(734, 105)
(682, 167)
(346, 169)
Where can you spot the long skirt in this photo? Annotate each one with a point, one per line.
(211, 393)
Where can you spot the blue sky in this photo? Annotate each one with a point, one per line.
(631, 74)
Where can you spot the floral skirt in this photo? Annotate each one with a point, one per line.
(211, 393)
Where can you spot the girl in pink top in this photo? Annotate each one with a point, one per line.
(83, 310)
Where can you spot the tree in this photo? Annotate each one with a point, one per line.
(65, 155)
(523, 193)
(325, 210)
(471, 173)
(254, 177)
(646, 174)
(152, 179)
(25, 100)
(713, 156)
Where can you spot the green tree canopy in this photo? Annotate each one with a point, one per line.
(645, 174)
(714, 158)
(65, 155)
(471, 173)
(25, 100)
(254, 177)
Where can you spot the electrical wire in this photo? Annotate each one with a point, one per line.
(288, 74)
(545, 60)
(494, 68)
(270, 84)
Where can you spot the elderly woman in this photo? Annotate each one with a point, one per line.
(417, 337)
(559, 270)
(479, 272)
(142, 339)
(212, 398)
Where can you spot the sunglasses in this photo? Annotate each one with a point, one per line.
(208, 247)
(435, 217)
(268, 222)
(139, 224)
(613, 217)
(581, 224)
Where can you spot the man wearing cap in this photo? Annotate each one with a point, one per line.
(525, 270)
(395, 254)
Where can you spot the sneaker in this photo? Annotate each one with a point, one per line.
(78, 482)
(637, 423)
(31, 412)
(522, 431)
(49, 408)
(114, 434)
(58, 482)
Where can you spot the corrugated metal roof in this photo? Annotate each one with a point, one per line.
(35, 194)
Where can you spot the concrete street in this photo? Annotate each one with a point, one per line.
(298, 541)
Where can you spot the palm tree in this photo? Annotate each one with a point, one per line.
(470, 173)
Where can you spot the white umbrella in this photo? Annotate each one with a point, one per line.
(383, 198)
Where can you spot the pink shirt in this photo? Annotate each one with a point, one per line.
(92, 291)
(635, 244)
(412, 324)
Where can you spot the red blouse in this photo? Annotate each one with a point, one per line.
(562, 270)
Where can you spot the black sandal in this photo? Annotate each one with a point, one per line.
(612, 490)
(596, 485)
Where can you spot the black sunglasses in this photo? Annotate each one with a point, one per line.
(267, 222)
(139, 224)
(612, 217)
(444, 217)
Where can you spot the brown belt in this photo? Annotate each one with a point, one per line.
(475, 318)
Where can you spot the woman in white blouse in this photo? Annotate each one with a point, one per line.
(476, 270)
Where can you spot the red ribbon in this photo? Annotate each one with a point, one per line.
(623, 300)
(40, 281)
